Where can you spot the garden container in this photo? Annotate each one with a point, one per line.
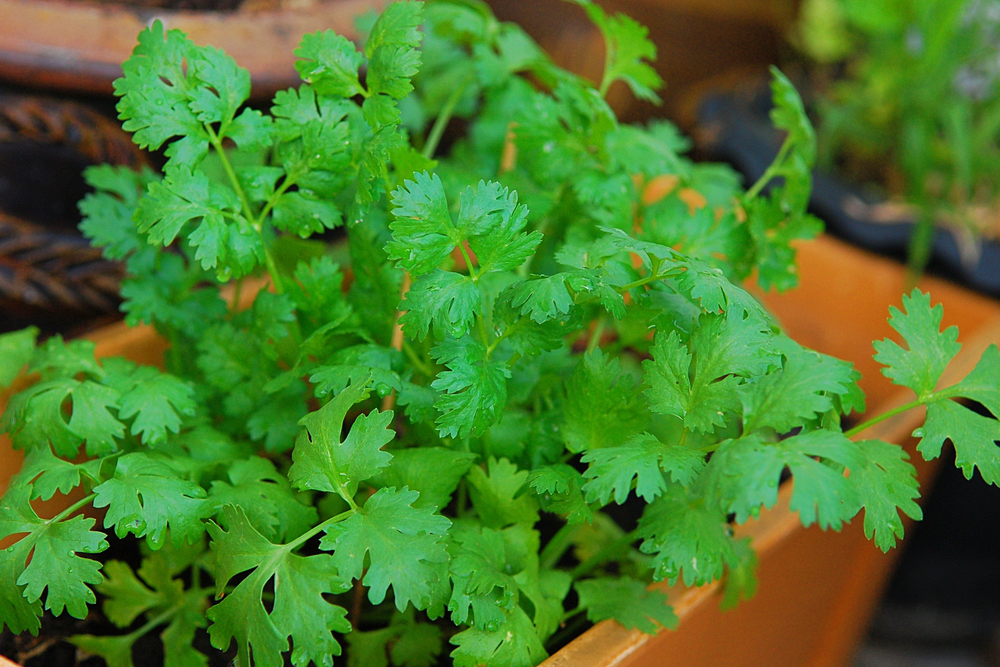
(817, 589)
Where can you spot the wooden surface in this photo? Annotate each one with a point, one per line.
(78, 46)
(817, 589)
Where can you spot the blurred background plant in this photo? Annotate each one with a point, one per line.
(914, 107)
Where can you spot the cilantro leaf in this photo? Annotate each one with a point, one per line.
(689, 540)
(423, 231)
(300, 611)
(560, 491)
(403, 544)
(55, 568)
(16, 350)
(494, 494)
(627, 601)
(629, 47)
(514, 644)
(391, 49)
(329, 62)
(474, 387)
(146, 496)
(975, 438)
(603, 407)
(153, 400)
(449, 300)
(324, 462)
(154, 89)
(730, 347)
(433, 471)
(266, 498)
(642, 458)
(887, 486)
(817, 460)
(919, 367)
(803, 388)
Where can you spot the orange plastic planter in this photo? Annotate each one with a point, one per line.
(817, 589)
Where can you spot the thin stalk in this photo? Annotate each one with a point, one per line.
(72, 508)
(604, 555)
(557, 546)
(441, 122)
(316, 530)
(230, 172)
(769, 173)
(417, 362)
(597, 333)
(891, 413)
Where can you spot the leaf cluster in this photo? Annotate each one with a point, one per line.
(406, 445)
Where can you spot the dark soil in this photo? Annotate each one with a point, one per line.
(49, 649)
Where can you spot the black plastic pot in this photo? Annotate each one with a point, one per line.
(734, 126)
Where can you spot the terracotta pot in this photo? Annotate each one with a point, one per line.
(817, 589)
(78, 46)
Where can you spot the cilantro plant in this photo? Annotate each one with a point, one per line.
(918, 108)
(407, 446)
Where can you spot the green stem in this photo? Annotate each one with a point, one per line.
(312, 532)
(511, 329)
(269, 263)
(156, 621)
(597, 333)
(651, 278)
(895, 411)
(417, 362)
(237, 292)
(608, 552)
(770, 173)
(441, 122)
(273, 199)
(557, 546)
(72, 508)
(230, 172)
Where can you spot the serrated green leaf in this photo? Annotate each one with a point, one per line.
(146, 496)
(514, 644)
(642, 458)
(603, 406)
(265, 496)
(300, 611)
(402, 542)
(887, 486)
(803, 388)
(919, 367)
(450, 301)
(627, 601)
(329, 62)
(474, 387)
(324, 462)
(16, 351)
(629, 47)
(975, 438)
(433, 471)
(688, 539)
(495, 495)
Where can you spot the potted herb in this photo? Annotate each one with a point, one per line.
(416, 456)
(905, 95)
